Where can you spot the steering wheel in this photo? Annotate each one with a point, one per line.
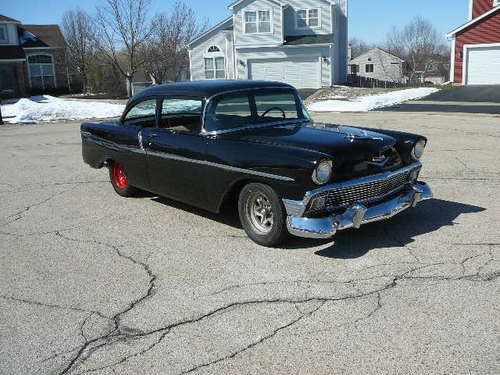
(274, 109)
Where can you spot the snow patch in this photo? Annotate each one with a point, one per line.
(368, 103)
(48, 108)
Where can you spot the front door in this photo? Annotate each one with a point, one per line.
(176, 152)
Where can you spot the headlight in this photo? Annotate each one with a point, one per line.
(323, 172)
(418, 150)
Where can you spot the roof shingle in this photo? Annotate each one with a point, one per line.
(7, 19)
(45, 36)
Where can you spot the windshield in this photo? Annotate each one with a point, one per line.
(261, 107)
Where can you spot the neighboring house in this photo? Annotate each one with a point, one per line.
(32, 58)
(475, 55)
(301, 42)
(378, 64)
(437, 71)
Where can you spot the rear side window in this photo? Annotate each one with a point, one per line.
(181, 115)
(142, 114)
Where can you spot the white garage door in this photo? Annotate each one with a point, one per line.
(300, 72)
(483, 66)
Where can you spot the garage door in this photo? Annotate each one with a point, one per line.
(483, 66)
(301, 72)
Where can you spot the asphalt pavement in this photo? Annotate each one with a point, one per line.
(461, 99)
(94, 283)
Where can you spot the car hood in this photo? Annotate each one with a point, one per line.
(354, 151)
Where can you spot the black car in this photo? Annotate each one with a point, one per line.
(204, 143)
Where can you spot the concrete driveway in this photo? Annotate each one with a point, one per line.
(94, 283)
(463, 99)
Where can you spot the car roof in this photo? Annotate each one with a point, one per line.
(208, 88)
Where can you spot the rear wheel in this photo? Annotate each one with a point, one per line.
(262, 215)
(119, 180)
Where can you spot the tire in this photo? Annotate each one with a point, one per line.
(262, 215)
(119, 181)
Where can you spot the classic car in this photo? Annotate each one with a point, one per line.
(253, 143)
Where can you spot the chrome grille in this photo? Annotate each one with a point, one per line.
(363, 192)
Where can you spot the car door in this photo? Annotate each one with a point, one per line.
(125, 139)
(176, 151)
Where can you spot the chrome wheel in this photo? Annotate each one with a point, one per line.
(259, 211)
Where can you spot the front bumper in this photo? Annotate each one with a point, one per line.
(356, 215)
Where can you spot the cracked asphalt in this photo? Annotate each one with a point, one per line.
(94, 283)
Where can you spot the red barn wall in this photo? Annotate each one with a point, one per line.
(485, 31)
(481, 6)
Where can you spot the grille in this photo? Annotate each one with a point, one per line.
(363, 192)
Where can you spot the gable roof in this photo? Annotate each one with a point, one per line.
(237, 2)
(33, 36)
(379, 50)
(8, 19)
(227, 24)
(472, 22)
(280, 3)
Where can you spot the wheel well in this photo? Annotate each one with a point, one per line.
(107, 162)
(230, 199)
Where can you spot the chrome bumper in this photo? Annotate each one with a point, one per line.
(356, 215)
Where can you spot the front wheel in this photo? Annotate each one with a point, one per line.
(262, 215)
(119, 180)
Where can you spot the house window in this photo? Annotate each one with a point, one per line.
(354, 69)
(214, 68)
(307, 18)
(369, 68)
(3, 34)
(42, 72)
(215, 63)
(257, 21)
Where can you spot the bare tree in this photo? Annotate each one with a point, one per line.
(359, 47)
(418, 43)
(78, 31)
(123, 26)
(165, 53)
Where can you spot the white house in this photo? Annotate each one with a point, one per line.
(378, 64)
(301, 42)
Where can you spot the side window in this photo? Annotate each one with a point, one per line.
(181, 115)
(142, 114)
(276, 106)
(229, 112)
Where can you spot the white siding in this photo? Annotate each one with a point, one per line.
(326, 19)
(386, 67)
(274, 38)
(339, 68)
(221, 39)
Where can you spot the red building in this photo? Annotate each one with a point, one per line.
(475, 54)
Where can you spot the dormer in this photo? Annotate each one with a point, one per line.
(9, 31)
(479, 7)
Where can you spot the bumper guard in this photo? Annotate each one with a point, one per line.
(356, 215)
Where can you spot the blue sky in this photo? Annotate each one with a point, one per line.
(370, 20)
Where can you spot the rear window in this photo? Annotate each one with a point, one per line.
(240, 110)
